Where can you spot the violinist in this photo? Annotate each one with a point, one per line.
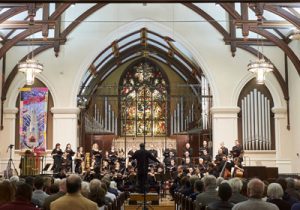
(57, 157)
(152, 180)
(202, 167)
(96, 155)
(68, 157)
(79, 160)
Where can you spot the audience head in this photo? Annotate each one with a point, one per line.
(198, 186)
(282, 182)
(274, 191)
(97, 193)
(85, 189)
(255, 188)
(209, 182)
(7, 192)
(14, 179)
(29, 180)
(38, 183)
(290, 183)
(73, 183)
(24, 192)
(224, 191)
(62, 185)
(236, 184)
(219, 181)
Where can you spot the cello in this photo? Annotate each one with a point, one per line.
(225, 173)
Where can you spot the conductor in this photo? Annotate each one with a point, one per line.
(142, 156)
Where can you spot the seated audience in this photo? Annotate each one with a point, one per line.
(23, 199)
(97, 194)
(275, 193)
(38, 195)
(62, 191)
(73, 199)
(286, 197)
(255, 190)
(236, 185)
(210, 193)
(198, 188)
(7, 192)
(224, 193)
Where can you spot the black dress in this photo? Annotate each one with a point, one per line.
(97, 157)
(78, 161)
(57, 157)
(69, 154)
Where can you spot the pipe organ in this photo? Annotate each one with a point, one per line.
(256, 121)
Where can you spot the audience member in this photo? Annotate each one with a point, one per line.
(38, 195)
(198, 188)
(62, 191)
(255, 190)
(97, 194)
(291, 190)
(236, 185)
(210, 193)
(286, 197)
(275, 193)
(73, 198)
(23, 199)
(7, 192)
(224, 193)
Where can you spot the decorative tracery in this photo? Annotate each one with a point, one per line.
(143, 100)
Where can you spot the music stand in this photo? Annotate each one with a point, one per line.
(10, 163)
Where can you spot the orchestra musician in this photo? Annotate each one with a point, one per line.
(57, 157)
(96, 155)
(224, 149)
(204, 147)
(69, 153)
(237, 150)
(79, 160)
(188, 149)
(238, 170)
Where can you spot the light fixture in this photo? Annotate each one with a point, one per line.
(294, 34)
(31, 67)
(260, 67)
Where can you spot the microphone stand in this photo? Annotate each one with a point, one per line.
(9, 164)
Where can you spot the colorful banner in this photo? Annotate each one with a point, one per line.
(33, 118)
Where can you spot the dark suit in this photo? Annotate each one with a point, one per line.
(237, 198)
(143, 156)
(220, 205)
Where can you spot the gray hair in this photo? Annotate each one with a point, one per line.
(236, 184)
(85, 189)
(210, 181)
(255, 188)
(290, 183)
(275, 191)
(14, 179)
(219, 180)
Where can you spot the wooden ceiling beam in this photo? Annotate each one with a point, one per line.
(143, 1)
(263, 24)
(45, 27)
(39, 42)
(255, 42)
(23, 24)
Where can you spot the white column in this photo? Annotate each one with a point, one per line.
(283, 144)
(65, 126)
(224, 126)
(7, 136)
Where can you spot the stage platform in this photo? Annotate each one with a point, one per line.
(164, 204)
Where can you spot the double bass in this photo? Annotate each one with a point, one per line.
(225, 173)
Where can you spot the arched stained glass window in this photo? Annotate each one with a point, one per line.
(143, 100)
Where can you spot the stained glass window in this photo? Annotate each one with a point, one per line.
(143, 101)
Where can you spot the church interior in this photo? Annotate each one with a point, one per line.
(184, 78)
